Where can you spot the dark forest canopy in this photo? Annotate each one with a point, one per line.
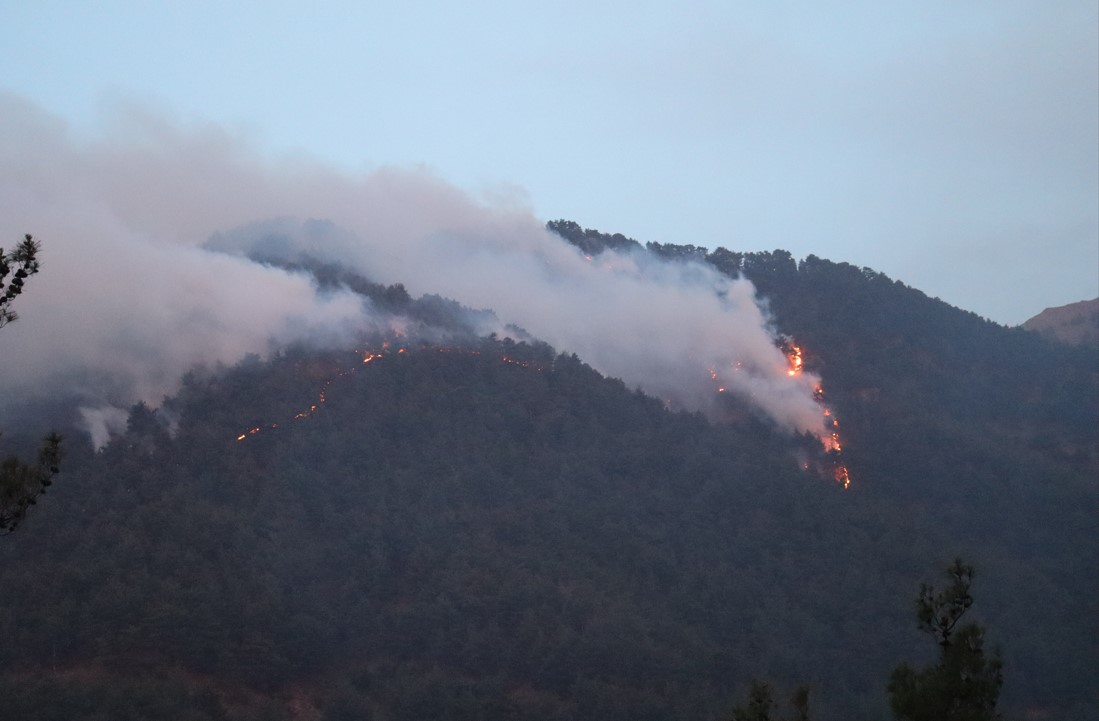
(491, 529)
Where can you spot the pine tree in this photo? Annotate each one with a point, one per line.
(20, 264)
(22, 483)
(965, 684)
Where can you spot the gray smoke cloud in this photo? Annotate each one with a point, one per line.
(144, 274)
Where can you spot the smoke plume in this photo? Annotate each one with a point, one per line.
(147, 233)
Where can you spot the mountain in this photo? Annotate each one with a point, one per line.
(441, 525)
(1075, 323)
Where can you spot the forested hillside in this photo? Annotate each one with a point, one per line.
(484, 529)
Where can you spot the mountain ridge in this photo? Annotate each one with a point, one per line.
(490, 528)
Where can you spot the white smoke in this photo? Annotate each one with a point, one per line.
(129, 298)
(103, 422)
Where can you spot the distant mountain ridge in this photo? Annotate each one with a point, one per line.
(1075, 323)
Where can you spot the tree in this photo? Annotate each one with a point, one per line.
(965, 684)
(761, 702)
(20, 264)
(22, 483)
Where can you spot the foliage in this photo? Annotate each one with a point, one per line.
(965, 684)
(21, 483)
(20, 264)
(590, 241)
(939, 613)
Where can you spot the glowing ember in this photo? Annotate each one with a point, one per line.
(249, 432)
(841, 476)
(322, 396)
(371, 357)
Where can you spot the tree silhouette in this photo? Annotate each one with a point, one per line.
(965, 684)
(22, 483)
(20, 264)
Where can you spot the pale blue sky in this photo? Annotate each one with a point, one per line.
(952, 145)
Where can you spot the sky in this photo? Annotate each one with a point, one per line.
(951, 145)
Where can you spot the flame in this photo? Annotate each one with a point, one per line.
(249, 432)
(829, 430)
(829, 435)
(522, 363)
(842, 477)
(371, 357)
(322, 394)
(793, 357)
(830, 438)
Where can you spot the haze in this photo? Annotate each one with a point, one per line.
(950, 145)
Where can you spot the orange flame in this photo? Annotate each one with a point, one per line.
(829, 438)
(793, 356)
(842, 477)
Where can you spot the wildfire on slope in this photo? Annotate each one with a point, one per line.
(322, 394)
(830, 435)
(374, 356)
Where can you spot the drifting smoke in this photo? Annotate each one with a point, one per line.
(146, 271)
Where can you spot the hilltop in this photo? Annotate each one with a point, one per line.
(1075, 323)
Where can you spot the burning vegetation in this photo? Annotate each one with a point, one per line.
(369, 357)
(322, 395)
(829, 434)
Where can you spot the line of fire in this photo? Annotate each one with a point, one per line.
(371, 356)
(829, 434)
(829, 437)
